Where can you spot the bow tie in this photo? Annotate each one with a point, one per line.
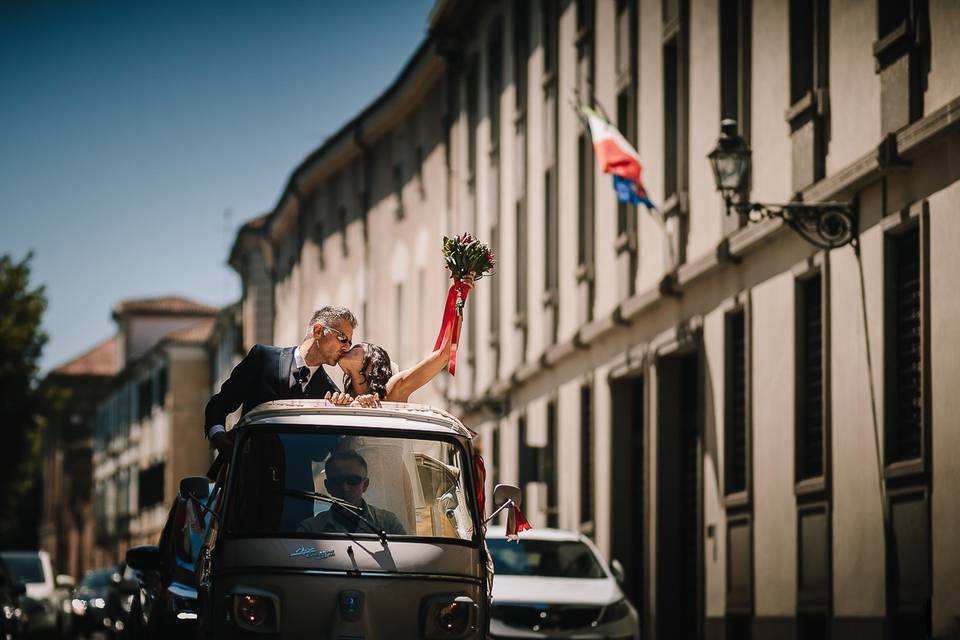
(302, 374)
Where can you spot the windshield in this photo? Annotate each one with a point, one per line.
(323, 483)
(547, 558)
(98, 579)
(25, 569)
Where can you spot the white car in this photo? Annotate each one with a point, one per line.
(46, 595)
(554, 584)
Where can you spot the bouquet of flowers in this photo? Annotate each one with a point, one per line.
(463, 255)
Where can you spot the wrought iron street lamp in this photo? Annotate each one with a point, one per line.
(827, 225)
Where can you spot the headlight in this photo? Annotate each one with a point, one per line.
(79, 606)
(254, 610)
(616, 611)
(449, 617)
(98, 603)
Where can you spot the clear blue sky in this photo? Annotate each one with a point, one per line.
(127, 129)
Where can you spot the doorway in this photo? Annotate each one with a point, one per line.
(628, 493)
(679, 553)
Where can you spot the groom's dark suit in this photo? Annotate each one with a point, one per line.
(263, 375)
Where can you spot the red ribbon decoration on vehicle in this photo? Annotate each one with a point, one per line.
(480, 483)
(449, 327)
(516, 523)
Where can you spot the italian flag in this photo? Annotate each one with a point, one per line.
(617, 157)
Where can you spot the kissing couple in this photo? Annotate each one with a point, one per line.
(283, 373)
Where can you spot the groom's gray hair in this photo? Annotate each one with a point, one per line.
(330, 315)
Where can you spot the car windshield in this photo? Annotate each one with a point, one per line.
(315, 483)
(98, 579)
(546, 558)
(26, 569)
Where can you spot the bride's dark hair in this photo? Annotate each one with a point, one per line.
(375, 370)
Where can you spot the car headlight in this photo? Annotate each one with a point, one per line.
(255, 610)
(449, 617)
(98, 603)
(616, 611)
(78, 606)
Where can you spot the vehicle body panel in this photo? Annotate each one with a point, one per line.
(398, 579)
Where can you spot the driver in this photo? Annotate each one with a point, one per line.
(347, 479)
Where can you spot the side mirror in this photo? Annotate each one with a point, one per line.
(128, 587)
(504, 492)
(196, 486)
(63, 581)
(144, 558)
(616, 568)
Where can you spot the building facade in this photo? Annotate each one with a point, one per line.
(66, 524)
(149, 431)
(761, 431)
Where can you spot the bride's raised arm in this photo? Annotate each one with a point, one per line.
(401, 385)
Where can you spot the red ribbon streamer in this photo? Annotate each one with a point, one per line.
(480, 480)
(516, 523)
(449, 326)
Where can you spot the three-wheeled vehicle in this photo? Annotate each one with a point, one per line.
(345, 522)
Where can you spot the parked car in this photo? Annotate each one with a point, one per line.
(11, 614)
(98, 605)
(291, 548)
(555, 584)
(46, 603)
(160, 580)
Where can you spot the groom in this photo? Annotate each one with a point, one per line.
(274, 373)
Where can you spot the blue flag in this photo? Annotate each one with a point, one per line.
(629, 191)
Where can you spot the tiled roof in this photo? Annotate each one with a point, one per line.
(100, 360)
(166, 305)
(196, 333)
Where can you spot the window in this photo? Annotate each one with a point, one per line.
(521, 53)
(399, 337)
(810, 378)
(735, 61)
(551, 232)
(495, 456)
(144, 398)
(550, 25)
(904, 363)
(397, 176)
(494, 87)
(585, 219)
(676, 59)
(342, 225)
(626, 119)
(548, 467)
(586, 454)
(150, 486)
(809, 79)
(520, 236)
(528, 463)
(318, 237)
(902, 53)
(735, 427)
(495, 82)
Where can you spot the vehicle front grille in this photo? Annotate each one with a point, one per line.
(540, 617)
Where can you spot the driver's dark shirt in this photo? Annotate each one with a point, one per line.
(334, 520)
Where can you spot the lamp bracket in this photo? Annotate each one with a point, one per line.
(828, 225)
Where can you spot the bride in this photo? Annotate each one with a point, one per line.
(368, 375)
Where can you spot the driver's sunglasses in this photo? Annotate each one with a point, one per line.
(351, 480)
(341, 336)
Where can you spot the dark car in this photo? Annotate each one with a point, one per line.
(98, 604)
(11, 613)
(160, 579)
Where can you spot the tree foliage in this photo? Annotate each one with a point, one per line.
(22, 403)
